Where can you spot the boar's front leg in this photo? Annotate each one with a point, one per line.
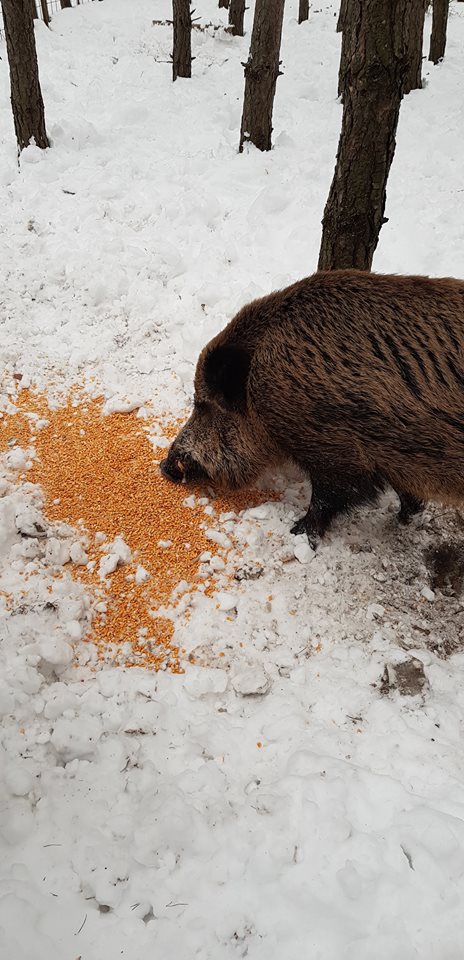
(335, 493)
(409, 506)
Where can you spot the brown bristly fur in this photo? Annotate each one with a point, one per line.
(357, 377)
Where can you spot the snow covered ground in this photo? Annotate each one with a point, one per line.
(299, 790)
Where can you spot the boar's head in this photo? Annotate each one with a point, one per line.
(223, 441)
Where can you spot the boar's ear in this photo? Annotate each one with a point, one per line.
(226, 372)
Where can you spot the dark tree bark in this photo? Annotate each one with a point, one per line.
(182, 39)
(65, 4)
(45, 13)
(413, 80)
(26, 96)
(439, 26)
(303, 11)
(342, 15)
(349, 24)
(34, 13)
(224, 4)
(261, 72)
(413, 31)
(373, 89)
(236, 17)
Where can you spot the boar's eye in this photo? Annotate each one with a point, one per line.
(226, 374)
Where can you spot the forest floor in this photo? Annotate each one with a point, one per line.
(273, 767)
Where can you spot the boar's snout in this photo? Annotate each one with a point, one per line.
(172, 469)
(181, 467)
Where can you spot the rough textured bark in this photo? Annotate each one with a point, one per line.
(373, 89)
(34, 9)
(349, 25)
(303, 11)
(224, 4)
(26, 96)
(439, 26)
(182, 39)
(413, 79)
(45, 13)
(236, 17)
(342, 15)
(261, 72)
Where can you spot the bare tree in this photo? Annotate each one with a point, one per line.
(65, 4)
(412, 31)
(341, 15)
(26, 96)
(303, 11)
(439, 27)
(182, 39)
(34, 13)
(413, 79)
(236, 17)
(373, 88)
(45, 13)
(261, 72)
(224, 4)
(348, 25)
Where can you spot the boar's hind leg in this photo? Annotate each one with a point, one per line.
(409, 506)
(333, 495)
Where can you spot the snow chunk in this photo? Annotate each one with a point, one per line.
(205, 680)
(6, 700)
(73, 629)
(29, 522)
(57, 552)
(226, 601)
(18, 780)
(76, 739)
(428, 594)
(118, 554)
(118, 405)
(217, 537)
(56, 651)
(253, 682)
(375, 611)
(17, 459)
(78, 554)
(141, 575)
(303, 552)
(258, 513)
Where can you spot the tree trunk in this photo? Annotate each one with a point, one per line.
(34, 13)
(341, 16)
(303, 11)
(182, 39)
(45, 13)
(413, 80)
(349, 20)
(373, 89)
(224, 4)
(65, 4)
(261, 72)
(26, 96)
(236, 17)
(438, 35)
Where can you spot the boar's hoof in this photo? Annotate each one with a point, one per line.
(409, 507)
(299, 527)
(306, 526)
